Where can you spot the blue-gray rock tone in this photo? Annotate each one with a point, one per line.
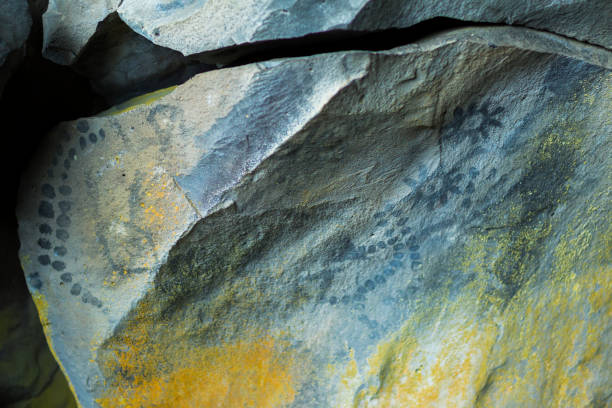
(196, 26)
(428, 226)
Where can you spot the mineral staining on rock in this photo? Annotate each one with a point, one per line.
(424, 226)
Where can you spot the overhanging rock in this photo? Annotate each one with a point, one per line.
(197, 26)
(408, 227)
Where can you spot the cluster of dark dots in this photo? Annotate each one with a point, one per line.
(399, 241)
(478, 129)
(54, 214)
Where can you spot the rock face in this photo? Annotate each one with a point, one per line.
(195, 26)
(15, 22)
(121, 64)
(425, 226)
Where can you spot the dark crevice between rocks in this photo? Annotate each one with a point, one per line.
(116, 49)
(37, 96)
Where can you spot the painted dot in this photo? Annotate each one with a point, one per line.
(60, 250)
(44, 243)
(75, 290)
(345, 299)
(411, 240)
(93, 138)
(369, 284)
(102, 134)
(466, 203)
(64, 176)
(63, 221)
(379, 214)
(48, 190)
(392, 241)
(45, 209)
(82, 143)
(67, 164)
(473, 171)
(82, 126)
(45, 229)
(58, 265)
(66, 277)
(389, 232)
(36, 283)
(470, 189)
(402, 221)
(389, 271)
(398, 255)
(415, 256)
(416, 265)
(396, 263)
(415, 248)
(64, 206)
(398, 247)
(44, 260)
(361, 290)
(380, 279)
(371, 249)
(358, 297)
(62, 235)
(333, 300)
(65, 190)
(381, 245)
(382, 223)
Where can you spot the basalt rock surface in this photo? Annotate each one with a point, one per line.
(196, 26)
(424, 226)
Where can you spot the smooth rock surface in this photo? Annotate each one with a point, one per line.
(425, 226)
(196, 26)
(15, 23)
(122, 64)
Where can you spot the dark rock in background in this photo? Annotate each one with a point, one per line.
(15, 22)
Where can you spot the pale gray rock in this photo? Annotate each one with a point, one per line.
(197, 26)
(69, 24)
(423, 226)
(15, 23)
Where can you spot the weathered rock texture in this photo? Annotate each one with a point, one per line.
(15, 22)
(195, 26)
(426, 226)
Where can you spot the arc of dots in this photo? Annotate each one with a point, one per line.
(54, 208)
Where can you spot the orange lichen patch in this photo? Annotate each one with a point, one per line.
(154, 365)
(544, 349)
(445, 368)
(243, 374)
(550, 353)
